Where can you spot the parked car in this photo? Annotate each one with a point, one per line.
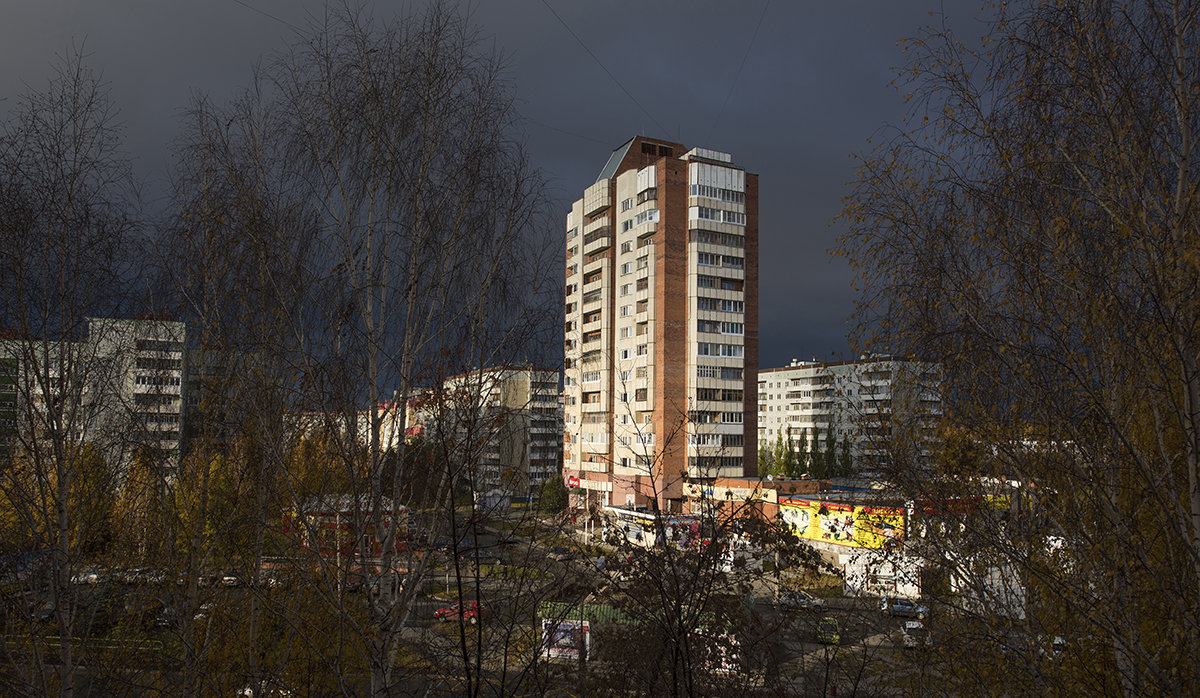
(204, 611)
(800, 601)
(230, 578)
(390, 584)
(902, 608)
(829, 632)
(87, 575)
(471, 612)
(915, 635)
(561, 554)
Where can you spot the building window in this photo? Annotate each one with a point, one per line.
(727, 195)
(710, 237)
(717, 349)
(650, 216)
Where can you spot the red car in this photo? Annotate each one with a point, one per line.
(472, 612)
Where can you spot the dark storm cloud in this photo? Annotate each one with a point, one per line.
(814, 87)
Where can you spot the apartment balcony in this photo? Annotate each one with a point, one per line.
(594, 285)
(597, 197)
(598, 240)
(596, 265)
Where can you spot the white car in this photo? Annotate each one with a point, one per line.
(915, 634)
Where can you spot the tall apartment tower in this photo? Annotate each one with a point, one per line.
(661, 327)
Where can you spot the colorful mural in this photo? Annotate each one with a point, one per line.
(844, 524)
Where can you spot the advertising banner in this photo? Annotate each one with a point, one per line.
(565, 639)
(844, 524)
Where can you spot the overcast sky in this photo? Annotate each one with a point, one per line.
(814, 84)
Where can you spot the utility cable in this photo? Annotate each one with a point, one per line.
(267, 14)
(602, 66)
(746, 55)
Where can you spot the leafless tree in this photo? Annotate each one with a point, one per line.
(364, 213)
(1033, 229)
(68, 212)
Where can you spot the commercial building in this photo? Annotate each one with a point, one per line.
(863, 403)
(661, 326)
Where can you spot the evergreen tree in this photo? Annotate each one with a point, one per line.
(780, 455)
(816, 463)
(803, 463)
(792, 464)
(829, 453)
(765, 461)
(845, 458)
(553, 499)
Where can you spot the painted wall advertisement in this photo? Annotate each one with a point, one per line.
(565, 639)
(844, 524)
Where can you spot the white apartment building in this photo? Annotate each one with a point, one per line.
(661, 326)
(506, 421)
(120, 387)
(864, 400)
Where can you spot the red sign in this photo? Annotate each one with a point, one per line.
(572, 481)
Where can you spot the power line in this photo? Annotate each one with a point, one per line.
(264, 13)
(602, 66)
(569, 133)
(746, 55)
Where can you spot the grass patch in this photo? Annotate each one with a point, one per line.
(513, 572)
(823, 585)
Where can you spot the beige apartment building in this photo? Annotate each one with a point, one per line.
(661, 326)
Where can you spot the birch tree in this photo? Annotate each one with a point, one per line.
(1033, 227)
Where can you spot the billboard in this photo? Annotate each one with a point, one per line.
(565, 639)
(844, 524)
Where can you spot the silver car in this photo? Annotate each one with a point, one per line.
(800, 600)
